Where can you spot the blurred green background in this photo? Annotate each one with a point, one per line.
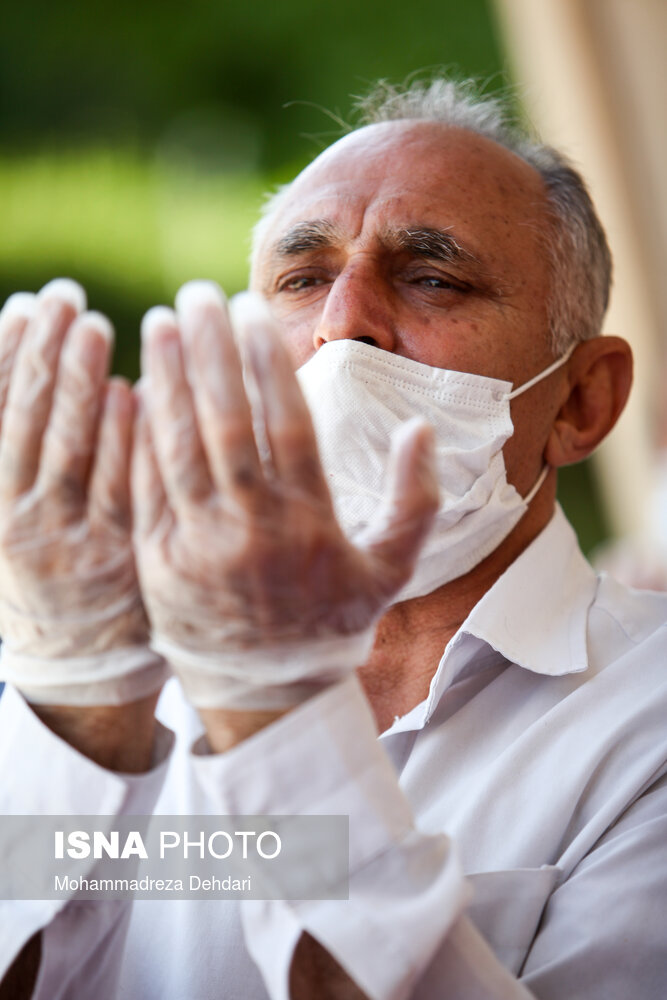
(137, 140)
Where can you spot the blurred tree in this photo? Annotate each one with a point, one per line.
(83, 71)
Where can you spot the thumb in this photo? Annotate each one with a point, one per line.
(396, 534)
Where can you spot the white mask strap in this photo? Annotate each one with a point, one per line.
(538, 485)
(541, 375)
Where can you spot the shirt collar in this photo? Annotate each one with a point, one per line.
(535, 616)
(536, 613)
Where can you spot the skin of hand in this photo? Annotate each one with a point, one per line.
(65, 540)
(236, 539)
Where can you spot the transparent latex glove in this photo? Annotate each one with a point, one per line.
(256, 597)
(71, 618)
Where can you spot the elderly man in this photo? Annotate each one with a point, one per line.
(508, 829)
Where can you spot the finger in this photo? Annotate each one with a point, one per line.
(216, 376)
(32, 384)
(70, 437)
(178, 447)
(109, 488)
(289, 428)
(411, 502)
(16, 313)
(149, 500)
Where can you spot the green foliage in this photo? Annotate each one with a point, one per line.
(76, 70)
(580, 498)
(130, 230)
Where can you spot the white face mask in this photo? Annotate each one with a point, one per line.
(359, 395)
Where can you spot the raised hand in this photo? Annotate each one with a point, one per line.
(73, 625)
(254, 593)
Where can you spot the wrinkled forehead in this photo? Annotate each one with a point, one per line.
(418, 174)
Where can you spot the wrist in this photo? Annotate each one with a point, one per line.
(116, 737)
(225, 728)
(253, 686)
(112, 678)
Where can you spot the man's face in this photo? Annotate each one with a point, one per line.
(427, 241)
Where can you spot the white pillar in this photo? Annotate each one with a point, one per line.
(591, 75)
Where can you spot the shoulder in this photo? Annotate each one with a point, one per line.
(640, 614)
(628, 626)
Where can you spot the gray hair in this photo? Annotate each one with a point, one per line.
(579, 255)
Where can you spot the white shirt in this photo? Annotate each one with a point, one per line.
(536, 862)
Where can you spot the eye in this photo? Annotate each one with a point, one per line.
(432, 282)
(299, 282)
(296, 284)
(439, 282)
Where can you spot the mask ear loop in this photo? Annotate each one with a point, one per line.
(538, 485)
(542, 375)
(524, 388)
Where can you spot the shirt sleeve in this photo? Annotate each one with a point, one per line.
(406, 889)
(404, 932)
(82, 942)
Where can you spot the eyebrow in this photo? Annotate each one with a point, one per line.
(313, 235)
(431, 244)
(426, 242)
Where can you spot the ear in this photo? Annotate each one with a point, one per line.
(599, 377)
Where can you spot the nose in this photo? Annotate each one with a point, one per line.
(357, 307)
